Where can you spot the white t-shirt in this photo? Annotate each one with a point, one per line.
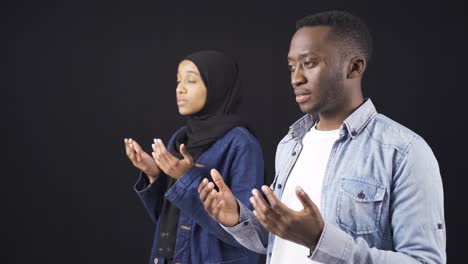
(308, 173)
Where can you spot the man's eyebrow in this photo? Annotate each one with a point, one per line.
(305, 54)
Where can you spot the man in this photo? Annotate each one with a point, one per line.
(375, 188)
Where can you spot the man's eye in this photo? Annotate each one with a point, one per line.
(309, 64)
(290, 68)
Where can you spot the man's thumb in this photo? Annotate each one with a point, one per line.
(218, 180)
(305, 199)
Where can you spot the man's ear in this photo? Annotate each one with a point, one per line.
(356, 67)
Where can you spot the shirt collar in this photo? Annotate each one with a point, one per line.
(353, 125)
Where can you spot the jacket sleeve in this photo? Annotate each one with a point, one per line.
(246, 173)
(417, 218)
(151, 195)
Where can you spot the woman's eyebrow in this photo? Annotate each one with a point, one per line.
(194, 72)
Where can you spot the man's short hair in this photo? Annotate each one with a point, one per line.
(348, 30)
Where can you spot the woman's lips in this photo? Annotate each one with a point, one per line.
(300, 98)
(181, 102)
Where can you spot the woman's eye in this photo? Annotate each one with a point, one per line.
(191, 81)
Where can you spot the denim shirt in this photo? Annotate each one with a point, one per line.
(238, 157)
(382, 197)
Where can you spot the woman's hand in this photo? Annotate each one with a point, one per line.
(141, 159)
(172, 166)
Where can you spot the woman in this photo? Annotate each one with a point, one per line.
(214, 137)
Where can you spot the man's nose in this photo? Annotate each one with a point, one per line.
(297, 77)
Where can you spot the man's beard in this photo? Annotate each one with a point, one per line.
(331, 97)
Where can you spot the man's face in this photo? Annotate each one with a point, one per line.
(317, 72)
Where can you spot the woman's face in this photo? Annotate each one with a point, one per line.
(191, 90)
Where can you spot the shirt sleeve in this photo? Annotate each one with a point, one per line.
(249, 233)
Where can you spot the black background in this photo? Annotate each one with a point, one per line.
(78, 77)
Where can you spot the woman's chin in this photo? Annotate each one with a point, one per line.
(185, 112)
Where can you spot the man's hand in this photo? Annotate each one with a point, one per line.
(221, 205)
(141, 159)
(172, 166)
(302, 227)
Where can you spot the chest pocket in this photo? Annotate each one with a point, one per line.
(359, 205)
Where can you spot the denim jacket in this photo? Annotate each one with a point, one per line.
(238, 157)
(382, 197)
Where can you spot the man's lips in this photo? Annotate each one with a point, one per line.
(302, 97)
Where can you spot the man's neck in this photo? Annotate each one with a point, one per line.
(333, 120)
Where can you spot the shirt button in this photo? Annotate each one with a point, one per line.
(439, 226)
(246, 223)
(278, 186)
(156, 261)
(294, 153)
(361, 195)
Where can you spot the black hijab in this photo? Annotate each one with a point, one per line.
(220, 75)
